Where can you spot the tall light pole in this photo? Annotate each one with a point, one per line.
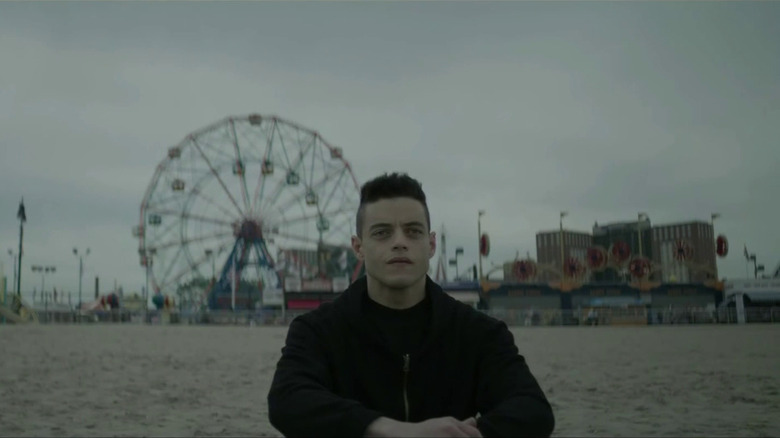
(22, 216)
(44, 270)
(639, 218)
(81, 269)
(13, 257)
(563, 263)
(454, 262)
(479, 241)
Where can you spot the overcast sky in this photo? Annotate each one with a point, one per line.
(522, 109)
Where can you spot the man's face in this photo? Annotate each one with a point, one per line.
(396, 244)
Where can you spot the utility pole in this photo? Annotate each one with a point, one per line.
(81, 269)
(22, 216)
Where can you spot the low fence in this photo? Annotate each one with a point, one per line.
(512, 317)
(632, 316)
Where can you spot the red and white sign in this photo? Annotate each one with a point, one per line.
(484, 245)
(721, 246)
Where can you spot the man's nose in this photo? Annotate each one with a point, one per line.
(399, 240)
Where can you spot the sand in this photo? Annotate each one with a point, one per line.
(133, 380)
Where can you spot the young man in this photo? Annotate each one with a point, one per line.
(395, 355)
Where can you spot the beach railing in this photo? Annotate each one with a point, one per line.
(630, 316)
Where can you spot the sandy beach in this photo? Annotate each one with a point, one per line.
(133, 380)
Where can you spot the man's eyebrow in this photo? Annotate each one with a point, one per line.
(379, 225)
(405, 224)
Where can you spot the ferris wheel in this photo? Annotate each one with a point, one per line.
(230, 198)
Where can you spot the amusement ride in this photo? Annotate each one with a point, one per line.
(231, 205)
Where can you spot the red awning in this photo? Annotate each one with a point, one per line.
(303, 304)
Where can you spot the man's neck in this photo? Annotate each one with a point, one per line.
(396, 298)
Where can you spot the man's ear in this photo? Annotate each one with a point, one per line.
(357, 246)
(432, 239)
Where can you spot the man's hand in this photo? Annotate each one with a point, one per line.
(435, 427)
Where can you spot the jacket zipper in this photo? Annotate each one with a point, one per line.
(406, 380)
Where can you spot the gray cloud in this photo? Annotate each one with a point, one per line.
(521, 109)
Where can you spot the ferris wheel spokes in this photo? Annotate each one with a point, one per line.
(316, 216)
(241, 174)
(297, 237)
(154, 220)
(292, 176)
(260, 187)
(219, 178)
(229, 213)
(297, 198)
(189, 268)
(191, 240)
(166, 272)
(333, 192)
(193, 216)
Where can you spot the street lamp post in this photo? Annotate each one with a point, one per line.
(563, 262)
(479, 241)
(81, 270)
(639, 218)
(454, 262)
(44, 270)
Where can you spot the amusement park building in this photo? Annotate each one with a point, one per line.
(548, 252)
(699, 235)
(658, 243)
(629, 232)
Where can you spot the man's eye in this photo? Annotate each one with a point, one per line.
(381, 233)
(415, 232)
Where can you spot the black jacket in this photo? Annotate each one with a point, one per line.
(336, 376)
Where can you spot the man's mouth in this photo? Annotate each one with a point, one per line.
(400, 260)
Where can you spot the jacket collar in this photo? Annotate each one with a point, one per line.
(351, 301)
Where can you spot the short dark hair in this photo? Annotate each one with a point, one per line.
(394, 185)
